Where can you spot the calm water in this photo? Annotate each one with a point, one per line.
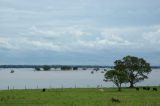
(28, 78)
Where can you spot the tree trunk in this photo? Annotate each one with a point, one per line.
(131, 84)
(132, 77)
(119, 88)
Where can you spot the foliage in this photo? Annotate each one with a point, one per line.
(66, 68)
(37, 68)
(117, 77)
(128, 70)
(75, 68)
(136, 68)
(12, 71)
(46, 67)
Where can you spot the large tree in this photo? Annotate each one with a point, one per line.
(117, 77)
(136, 68)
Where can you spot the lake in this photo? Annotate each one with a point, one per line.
(27, 78)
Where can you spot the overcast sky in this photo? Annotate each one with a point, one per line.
(82, 32)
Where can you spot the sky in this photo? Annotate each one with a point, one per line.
(78, 32)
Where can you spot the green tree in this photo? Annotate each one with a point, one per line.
(46, 67)
(66, 68)
(136, 68)
(128, 70)
(37, 68)
(117, 77)
(75, 68)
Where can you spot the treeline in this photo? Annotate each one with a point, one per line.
(54, 66)
(59, 66)
(155, 67)
(46, 68)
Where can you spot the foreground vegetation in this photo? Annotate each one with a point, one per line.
(79, 97)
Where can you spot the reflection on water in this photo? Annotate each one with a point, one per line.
(28, 78)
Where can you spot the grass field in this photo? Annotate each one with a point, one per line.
(79, 97)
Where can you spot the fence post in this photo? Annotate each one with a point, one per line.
(25, 87)
(8, 87)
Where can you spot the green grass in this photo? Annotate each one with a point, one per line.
(79, 97)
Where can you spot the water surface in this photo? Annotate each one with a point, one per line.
(28, 78)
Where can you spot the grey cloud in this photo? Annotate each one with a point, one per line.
(72, 37)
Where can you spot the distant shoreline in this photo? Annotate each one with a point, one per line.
(59, 66)
(54, 66)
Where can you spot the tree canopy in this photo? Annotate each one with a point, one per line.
(136, 68)
(37, 68)
(130, 69)
(117, 77)
(46, 67)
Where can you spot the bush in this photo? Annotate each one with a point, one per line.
(66, 68)
(37, 68)
(46, 67)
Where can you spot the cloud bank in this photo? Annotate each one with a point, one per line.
(83, 38)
